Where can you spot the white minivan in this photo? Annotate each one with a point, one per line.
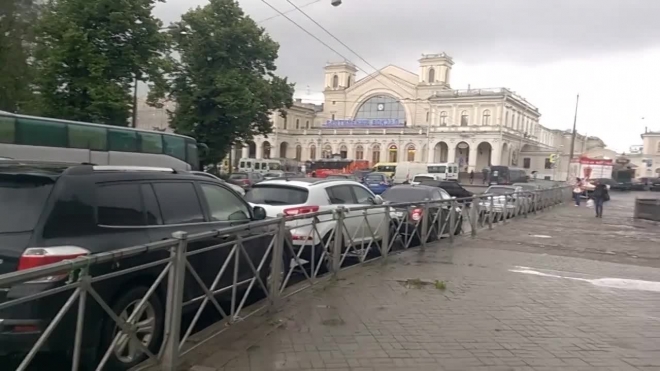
(405, 171)
(446, 170)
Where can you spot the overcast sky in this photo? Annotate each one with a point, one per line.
(548, 51)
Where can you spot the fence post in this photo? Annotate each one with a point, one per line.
(452, 220)
(473, 213)
(385, 243)
(337, 247)
(174, 304)
(425, 223)
(277, 263)
(491, 212)
(535, 204)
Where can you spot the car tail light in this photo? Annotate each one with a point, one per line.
(301, 210)
(416, 214)
(34, 257)
(246, 181)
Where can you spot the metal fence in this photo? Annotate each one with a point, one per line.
(299, 252)
(647, 208)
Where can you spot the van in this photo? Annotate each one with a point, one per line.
(405, 171)
(447, 170)
(385, 167)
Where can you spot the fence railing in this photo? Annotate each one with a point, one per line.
(171, 285)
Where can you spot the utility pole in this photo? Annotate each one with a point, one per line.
(570, 156)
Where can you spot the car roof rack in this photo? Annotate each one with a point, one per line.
(134, 168)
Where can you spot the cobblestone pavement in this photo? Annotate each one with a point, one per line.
(510, 299)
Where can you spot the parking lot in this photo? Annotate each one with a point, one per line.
(559, 290)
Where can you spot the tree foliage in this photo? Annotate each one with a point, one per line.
(17, 18)
(224, 83)
(89, 53)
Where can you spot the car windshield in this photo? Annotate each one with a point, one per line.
(276, 195)
(419, 178)
(22, 199)
(238, 176)
(407, 194)
(499, 190)
(386, 168)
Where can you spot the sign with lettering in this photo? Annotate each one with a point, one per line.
(365, 123)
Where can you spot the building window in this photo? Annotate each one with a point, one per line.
(343, 152)
(382, 107)
(658, 149)
(485, 120)
(431, 75)
(334, 102)
(513, 120)
(298, 152)
(327, 151)
(307, 124)
(443, 118)
(410, 153)
(548, 164)
(527, 162)
(333, 117)
(428, 116)
(284, 124)
(506, 119)
(375, 154)
(297, 124)
(393, 153)
(464, 118)
(348, 82)
(359, 152)
(312, 152)
(335, 82)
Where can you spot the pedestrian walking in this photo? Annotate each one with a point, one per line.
(471, 176)
(600, 195)
(578, 188)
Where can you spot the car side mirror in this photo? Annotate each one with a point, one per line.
(377, 200)
(259, 213)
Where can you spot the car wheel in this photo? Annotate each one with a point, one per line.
(149, 330)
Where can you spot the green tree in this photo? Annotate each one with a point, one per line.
(89, 54)
(224, 83)
(17, 18)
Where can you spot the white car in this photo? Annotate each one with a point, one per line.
(417, 179)
(500, 200)
(309, 195)
(236, 188)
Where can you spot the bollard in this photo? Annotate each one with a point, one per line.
(452, 221)
(385, 243)
(425, 223)
(473, 216)
(173, 308)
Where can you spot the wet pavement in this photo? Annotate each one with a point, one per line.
(561, 290)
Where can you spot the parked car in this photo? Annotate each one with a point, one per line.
(418, 178)
(411, 215)
(311, 195)
(361, 174)
(237, 188)
(343, 177)
(51, 213)
(453, 188)
(377, 182)
(247, 179)
(504, 199)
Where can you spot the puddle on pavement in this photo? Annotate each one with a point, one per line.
(615, 283)
(333, 322)
(416, 283)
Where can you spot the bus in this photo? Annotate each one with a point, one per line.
(31, 138)
(505, 175)
(388, 168)
(449, 171)
(262, 166)
(324, 167)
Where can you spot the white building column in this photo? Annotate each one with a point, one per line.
(496, 153)
(472, 160)
(451, 153)
(245, 152)
(260, 150)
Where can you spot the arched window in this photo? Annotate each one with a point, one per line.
(443, 118)
(410, 153)
(298, 152)
(485, 119)
(335, 82)
(393, 153)
(297, 124)
(343, 152)
(312, 152)
(327, 151)
(431, 75)
(307, 124)
(359, 152)
(375, 154)
(465, 118)
(382, 107)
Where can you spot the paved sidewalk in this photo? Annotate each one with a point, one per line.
(529, 295)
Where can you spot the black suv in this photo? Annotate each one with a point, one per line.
(52, 212)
